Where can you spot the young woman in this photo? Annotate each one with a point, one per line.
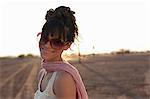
(58, 79)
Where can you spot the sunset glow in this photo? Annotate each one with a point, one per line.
(104, 25)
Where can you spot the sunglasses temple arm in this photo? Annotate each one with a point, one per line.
(39, 34)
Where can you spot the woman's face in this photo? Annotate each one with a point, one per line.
(49, 50)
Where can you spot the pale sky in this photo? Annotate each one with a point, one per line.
(108, 25)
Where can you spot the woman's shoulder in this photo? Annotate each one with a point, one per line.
(63, 76)
(64, 79)
(64, 84)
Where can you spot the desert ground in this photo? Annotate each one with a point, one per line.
(105, 76)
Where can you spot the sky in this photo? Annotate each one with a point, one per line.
(106, 25)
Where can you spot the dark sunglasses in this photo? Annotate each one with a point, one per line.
(54, 43)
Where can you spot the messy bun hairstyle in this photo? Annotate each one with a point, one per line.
(61, 22)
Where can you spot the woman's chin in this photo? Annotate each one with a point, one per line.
(44, 56)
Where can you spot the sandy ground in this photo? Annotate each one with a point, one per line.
(105, 76)
(147, 79)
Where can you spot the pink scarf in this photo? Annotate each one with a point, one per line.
(65, 66)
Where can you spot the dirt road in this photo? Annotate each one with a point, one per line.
(18, 80)
(117, 76)
(105, 76)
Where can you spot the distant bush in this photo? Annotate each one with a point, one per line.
(126, 51)
(30, 55)
(21, 56)
(123, 51)
(148, 51)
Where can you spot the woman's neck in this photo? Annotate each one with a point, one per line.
(54, 60)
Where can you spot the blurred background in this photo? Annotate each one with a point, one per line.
(104, 25)
(112, 52)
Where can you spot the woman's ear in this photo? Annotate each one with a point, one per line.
(67, 46)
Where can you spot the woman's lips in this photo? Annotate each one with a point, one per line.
(47, 51)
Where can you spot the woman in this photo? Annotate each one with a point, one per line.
(58, 79)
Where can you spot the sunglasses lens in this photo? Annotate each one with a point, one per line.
(56, 44)
(42, 42)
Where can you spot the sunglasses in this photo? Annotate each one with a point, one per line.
(54, 43)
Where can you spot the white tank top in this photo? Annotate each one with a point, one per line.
(48, 92)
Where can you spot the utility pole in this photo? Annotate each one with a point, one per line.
(93, 50)
(79, 55)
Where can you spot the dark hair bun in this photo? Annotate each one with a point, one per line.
(49, 14)
(65, 16)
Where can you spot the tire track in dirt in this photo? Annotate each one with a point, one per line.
(8, 67)
(12, 61)
(113, 83)
(13, 75)
(27, 90)
(147, 79)
(22, 83)
(12, 86)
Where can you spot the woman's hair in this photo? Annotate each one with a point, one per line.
(60, 22)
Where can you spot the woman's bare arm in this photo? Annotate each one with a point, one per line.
(64, 86)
